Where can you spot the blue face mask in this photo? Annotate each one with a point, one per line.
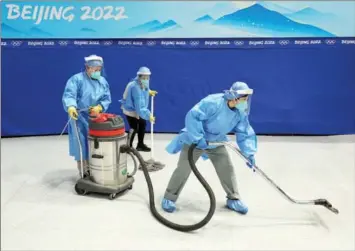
(242, 106)
(145, 83)
(95, 75)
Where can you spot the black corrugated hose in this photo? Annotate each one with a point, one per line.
(160, 218)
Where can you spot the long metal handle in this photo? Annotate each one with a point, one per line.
(258, 170)
(152, 128)
(80, 149)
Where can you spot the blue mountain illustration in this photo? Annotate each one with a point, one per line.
(275, 7)
(327, 21)
(205, 19)
(222, 8)
(263, 22)
(10, 31)
(308, 11)
(145, 27)
(150, 27)
(310, 14)
(87, 30)
(167, 25)
(37, 32)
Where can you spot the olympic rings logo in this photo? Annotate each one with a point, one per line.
(330, 41)
(151, 43)
(63, 43)
(284, 42)
(239, 43)
(194, 43)
(16, 43)
(108, 42)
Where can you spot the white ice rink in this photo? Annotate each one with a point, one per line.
(41, 211)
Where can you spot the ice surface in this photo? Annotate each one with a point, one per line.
(41, 211)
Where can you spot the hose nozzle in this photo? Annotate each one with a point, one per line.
(326, 204)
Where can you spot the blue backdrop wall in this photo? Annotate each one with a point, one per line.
(297, 91)
(298, 56)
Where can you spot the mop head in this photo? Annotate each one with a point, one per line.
(153, 165)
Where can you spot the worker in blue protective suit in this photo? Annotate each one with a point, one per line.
(85, 93)
(135, 106)
(210, 121)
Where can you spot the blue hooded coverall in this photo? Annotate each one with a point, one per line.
(81, 91)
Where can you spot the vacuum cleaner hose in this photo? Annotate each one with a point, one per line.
(160, 218)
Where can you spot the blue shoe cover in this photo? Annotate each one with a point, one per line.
(237, 205)
(168, 205)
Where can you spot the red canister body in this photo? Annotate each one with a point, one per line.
(106, 125)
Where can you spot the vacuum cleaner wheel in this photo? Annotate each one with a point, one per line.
(79, 190)
(112, 196)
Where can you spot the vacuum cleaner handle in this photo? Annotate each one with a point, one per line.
(235, 149)
(321, 202)
(152, 128)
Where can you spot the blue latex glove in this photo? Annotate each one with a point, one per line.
(251, 162)
(202, 144)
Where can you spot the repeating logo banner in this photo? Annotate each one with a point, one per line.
(230, 43)
(188, 19)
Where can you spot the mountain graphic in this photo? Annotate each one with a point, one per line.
(10, 31)
(170, 24)
(37, 32)
(87, 30)
(275, 7)
(310, 14)
(263, 22)
(199, 30)
(308, 11)
(143, 28)
(221, 8)
(205, 19)
(151, 27)
(327, 21)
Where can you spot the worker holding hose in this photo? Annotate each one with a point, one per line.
(135, 106)
(210, 121)
(85, 93)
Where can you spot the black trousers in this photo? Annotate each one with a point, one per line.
(138, 125)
